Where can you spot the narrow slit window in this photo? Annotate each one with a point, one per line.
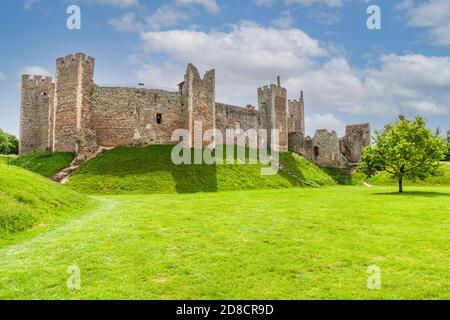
(159, 118)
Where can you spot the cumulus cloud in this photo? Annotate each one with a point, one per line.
(118, 3)
(35, 70)
(165, 16)
(329, 3)
(284, 21)
(250, 55)
(210, 5)
(434, 15)
(324, 121)
(124, 23)
(2, 76)
(28, 4)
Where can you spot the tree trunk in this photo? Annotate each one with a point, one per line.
(400, 185)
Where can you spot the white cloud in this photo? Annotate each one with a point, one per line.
(165, 16)
(124, 23)
(2, 76)
(249, 56)
(210, 5)
(118, 3)
(284, 21)
(330, 3)
(324, 121)
(28, 4)
(265, 3)
(433, 15)
(246, 57)
(35, 70)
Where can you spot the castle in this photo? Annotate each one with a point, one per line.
(73, 114)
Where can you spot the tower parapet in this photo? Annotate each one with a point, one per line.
(74, 87)
(272, 102)
(36, 111)
(200, 95)
(296, 115)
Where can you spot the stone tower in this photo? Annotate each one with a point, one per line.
(200, 95)
(36, 131)
(272, 102)
(296, 115)
(74, 87)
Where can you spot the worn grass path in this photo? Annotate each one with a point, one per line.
(272, 244)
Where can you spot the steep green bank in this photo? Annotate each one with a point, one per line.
(150, 169)
(46, 164)
(29, 200)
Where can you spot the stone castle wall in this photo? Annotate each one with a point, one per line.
(272, 102)
(36, 113)
(129, 116)
(296, 115)
(74, 85)
(75, 115)
(200, 97)
(233, 117)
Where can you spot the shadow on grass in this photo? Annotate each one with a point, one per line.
(428, 194)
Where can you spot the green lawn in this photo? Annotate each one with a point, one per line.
(46, 164)
(150, 170)
(272, 244)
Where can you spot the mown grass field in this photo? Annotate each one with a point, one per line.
(151, 230)
(302, 243)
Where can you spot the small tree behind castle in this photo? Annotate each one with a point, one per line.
(447, 157)
(404, 149)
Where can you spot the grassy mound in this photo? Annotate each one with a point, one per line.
(46, 164)
(28, 199)
(150, 170)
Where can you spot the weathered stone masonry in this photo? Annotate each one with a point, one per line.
(76, 115)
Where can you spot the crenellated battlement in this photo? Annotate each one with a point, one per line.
(70, 113)
(36, 80)
(75, 59)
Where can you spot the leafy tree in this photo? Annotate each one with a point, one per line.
(8, 143)
(13, 144)
(404, 149)
(448, 146)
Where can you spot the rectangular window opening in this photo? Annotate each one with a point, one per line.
(159, 118)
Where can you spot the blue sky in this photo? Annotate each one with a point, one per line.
(349, 74)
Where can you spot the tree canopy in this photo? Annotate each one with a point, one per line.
(404, 149)
(8, 143)
(447, 157)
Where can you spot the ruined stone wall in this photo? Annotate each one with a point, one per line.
(128, 116)
(356, 138)
(200, 97)
(74, 85)
(231, 117)
(296, 142)
(296, 115)
(36, 110)
(272, 102)
(324, 149)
